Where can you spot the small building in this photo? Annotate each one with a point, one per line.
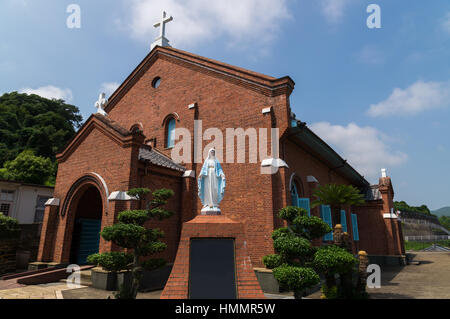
(24, 202)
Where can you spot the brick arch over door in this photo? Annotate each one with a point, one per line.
(70, 206)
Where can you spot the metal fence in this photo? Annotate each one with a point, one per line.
(427, 238)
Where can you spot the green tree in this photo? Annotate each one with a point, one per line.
(131, 233)
(27, 167)
(294, 253)
(31, 122)
(337, 196)
(445, 221)
(403, 206)
(9, 227)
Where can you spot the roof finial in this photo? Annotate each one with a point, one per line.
(383, 172)
(162, 40)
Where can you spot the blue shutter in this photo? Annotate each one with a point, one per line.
(325, 214)
(171, 133)
(355, 227)
(304, 203)
(343, 221)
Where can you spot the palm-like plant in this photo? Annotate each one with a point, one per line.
(337, 196)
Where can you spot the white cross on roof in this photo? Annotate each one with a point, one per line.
(162, 40)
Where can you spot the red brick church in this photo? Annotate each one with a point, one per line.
(129, 144)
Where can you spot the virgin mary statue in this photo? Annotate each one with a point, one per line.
(211, 184)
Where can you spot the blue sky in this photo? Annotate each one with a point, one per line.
(381, 97)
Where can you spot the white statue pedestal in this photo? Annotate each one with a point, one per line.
(211, 211)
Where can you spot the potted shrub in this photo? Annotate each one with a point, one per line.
(156, 272)
(109, 264)
(131, 233)
(292, 262)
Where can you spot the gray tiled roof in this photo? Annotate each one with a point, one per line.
(153, 156)
(373, 193)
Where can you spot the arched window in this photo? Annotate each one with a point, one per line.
(171, 123)
(296, 200)
(294, 194)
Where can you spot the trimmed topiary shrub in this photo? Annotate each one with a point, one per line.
(130, 233)
(152, 264)
(331, 260)
(296, 278)
(112, 261)
(292, 263)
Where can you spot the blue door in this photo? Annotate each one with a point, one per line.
(89, 239)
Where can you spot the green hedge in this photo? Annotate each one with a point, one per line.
(111, 261)
(9, 227)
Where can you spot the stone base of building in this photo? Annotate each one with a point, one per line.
(213, 227)
(388, 260)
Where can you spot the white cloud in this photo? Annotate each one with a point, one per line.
(370, 55)
(198, 21)
(50, 92)
(109, 88)
(333, 10)
(445, 24)
(418, 97)
(365, 148)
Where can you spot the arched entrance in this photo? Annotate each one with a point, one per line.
(87, 221)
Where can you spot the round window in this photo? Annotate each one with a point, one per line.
(156, 82)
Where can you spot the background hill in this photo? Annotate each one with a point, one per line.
(444, 211)
(33, 130)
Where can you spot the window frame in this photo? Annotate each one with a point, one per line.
(170, 138)
(40, 208)
(2, 204)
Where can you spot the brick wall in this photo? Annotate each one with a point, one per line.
(221, 104)
(213, 227)
(157, 178)
(8, 255)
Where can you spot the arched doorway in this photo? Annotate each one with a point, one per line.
(87, 225)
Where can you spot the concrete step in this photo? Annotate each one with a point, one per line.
(86, 274)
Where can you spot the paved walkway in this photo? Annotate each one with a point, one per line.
(9, 284)
(430, 279)
(46, 291)
(93, 293)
